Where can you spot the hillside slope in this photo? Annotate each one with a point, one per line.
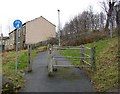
(106, 76)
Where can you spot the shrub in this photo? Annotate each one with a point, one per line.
(84, 38)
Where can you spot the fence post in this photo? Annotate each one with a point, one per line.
(50, 66)
(92, 59)
(29, 58)
(81, 54)
(2, 43)
(51, 61)
(49, 58)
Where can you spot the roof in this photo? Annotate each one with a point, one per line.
(43, 18)
(12, 31)
(16, 29)
(4, 38)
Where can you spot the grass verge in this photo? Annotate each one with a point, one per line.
(8, 66)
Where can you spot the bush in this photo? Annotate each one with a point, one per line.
(84, 38)
(53, 41)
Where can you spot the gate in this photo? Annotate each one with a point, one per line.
(54, 54)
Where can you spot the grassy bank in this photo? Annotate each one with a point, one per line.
(106, 76)
(8, 65)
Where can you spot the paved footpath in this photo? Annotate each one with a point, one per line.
(65, 79)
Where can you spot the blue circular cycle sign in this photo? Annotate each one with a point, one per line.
(17, 24)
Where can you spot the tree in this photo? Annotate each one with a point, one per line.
(91, 18)
(108, 8)
(75, 23)
(101, 20)
(84, 21)
(117, 7)
(53, 41)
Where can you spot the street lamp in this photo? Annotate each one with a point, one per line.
(59, 26)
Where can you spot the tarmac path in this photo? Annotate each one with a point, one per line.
(65, 79)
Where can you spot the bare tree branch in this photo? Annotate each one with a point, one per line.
(104, 6)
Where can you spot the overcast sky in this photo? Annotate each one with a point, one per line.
(26, 10)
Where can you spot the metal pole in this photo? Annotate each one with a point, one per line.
(16, 50)
(59, 25)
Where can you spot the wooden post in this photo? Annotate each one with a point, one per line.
(2, 43)
(92, 59)
(50, 62)
(81, 54)
(49, 57)
(51, 66)
(49, 49)
(29, 58)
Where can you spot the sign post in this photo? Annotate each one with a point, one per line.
(17, 24)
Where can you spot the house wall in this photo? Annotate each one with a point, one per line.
(30, 33)
(21, 37)
(7, 44)
(39, 30)
(11, 40)
(4, 43)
